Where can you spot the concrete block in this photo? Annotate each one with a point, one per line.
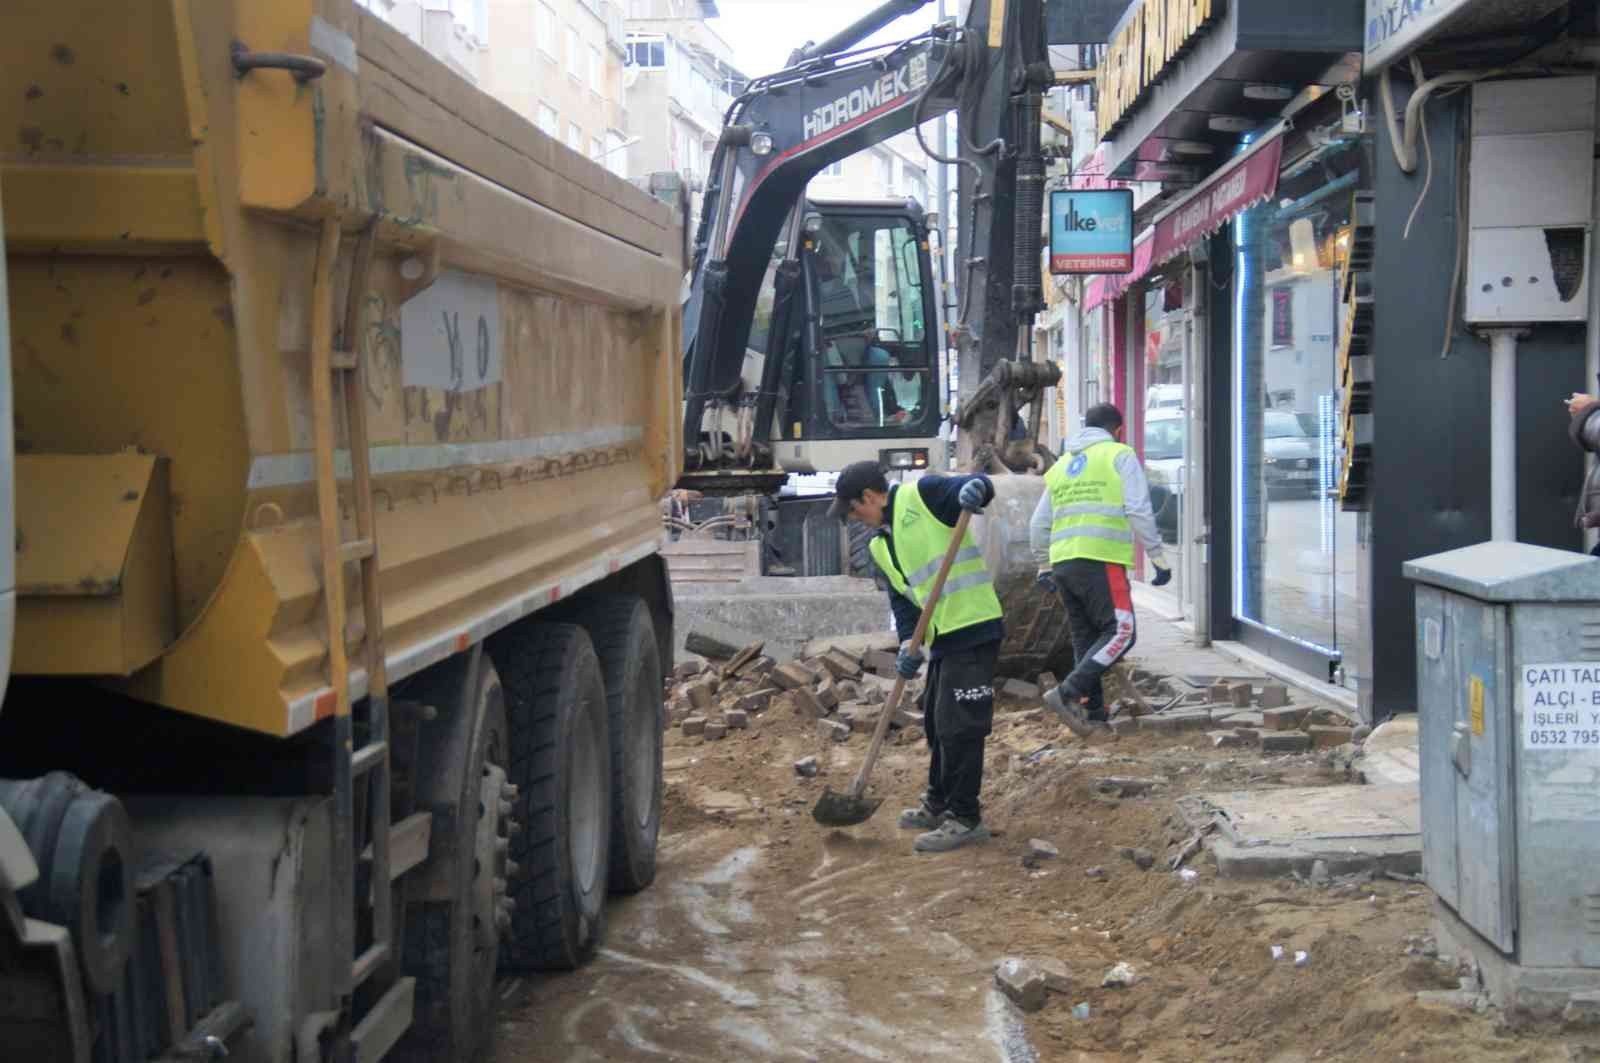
(1057, 979)
(1125, 725)
(1020, 981)
(1240, 695)
(1127, 786)
(1273, 696)
(1220, 691)
(806, 703)
(1250, 735)
(694, 725)
(828, 695)
(1238, 719)
(793, 676)
(853, 646)
(806, 767)
(1285, 741)
(1020, 689)
(688, 669)
(736, 720)
(1583, 1009)
(834, 730)
(715, 729)
(879, 662)
(839, 666)
(1329, 737)
(756, 703)
(1319, 717)
(1288, 718)
(701, 693)
(847, 689)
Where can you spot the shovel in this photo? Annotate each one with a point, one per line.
(850, 808)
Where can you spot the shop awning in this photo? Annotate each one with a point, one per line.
(1244, 181)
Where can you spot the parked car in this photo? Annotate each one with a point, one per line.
(1164, 397)
(1292, 454)
(1163, 465)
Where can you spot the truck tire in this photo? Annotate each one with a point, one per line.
(630, 662)
(452, 932)
(560, 762)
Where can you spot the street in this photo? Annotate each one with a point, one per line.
(768, 937)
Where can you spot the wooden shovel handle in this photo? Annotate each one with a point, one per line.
(890, 707)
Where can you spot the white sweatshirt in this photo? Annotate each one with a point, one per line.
(1135, 503)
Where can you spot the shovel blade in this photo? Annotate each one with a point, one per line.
(842, 810)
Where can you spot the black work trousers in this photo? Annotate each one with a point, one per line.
(1099, 605)
(958, 714)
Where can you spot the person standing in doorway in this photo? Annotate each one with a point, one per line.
(1096, 504)
(915, 524)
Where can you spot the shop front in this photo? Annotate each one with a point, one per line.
(1227, 332)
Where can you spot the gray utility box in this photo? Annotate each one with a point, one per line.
(1508, 687)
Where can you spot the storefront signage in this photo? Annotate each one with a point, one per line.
(1233, 188)
(1396, 25)
(1091, 231)
(1152, 35)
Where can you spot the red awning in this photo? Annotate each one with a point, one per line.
(1239, 185)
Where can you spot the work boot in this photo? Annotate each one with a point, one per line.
(953, 833)
(921, 818)
(1069, 706)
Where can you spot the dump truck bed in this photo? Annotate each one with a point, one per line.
(520, 329)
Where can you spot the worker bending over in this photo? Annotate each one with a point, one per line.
(915, 523)
(1096, 501)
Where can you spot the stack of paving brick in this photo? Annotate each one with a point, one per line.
(1244, 715)
(841, 691)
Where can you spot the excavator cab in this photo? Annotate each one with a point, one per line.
(861, 360)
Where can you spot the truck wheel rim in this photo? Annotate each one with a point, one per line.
(644, 732)
(584, 794)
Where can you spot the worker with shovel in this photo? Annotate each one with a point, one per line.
(930, 560)
(1095, 504)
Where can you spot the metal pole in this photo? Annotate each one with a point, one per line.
(946, 267)
(1591, 359)
(1503, 433)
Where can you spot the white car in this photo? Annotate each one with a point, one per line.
(1164, 397)
(1163, 467)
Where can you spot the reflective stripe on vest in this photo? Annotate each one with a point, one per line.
(1087, 519)
(920, 540)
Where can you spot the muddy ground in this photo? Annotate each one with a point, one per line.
(768, 937)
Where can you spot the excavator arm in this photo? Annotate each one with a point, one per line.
(787, 127)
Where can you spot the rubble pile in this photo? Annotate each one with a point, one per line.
(841, 690)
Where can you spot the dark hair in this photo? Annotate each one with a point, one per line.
(1104, 416)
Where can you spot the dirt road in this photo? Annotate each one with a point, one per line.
(768, 938)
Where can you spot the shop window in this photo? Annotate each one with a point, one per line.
(1295, 549)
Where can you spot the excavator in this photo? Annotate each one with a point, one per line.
(808, 323)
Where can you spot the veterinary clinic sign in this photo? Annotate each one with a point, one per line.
(1151, 36)
(1394, 26)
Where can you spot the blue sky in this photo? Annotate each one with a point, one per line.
(764, 32)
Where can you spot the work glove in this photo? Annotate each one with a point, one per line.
(1046, 581)
(1163, 577)
(973, 496)
(908, 662)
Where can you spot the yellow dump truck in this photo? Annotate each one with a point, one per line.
(343, 399)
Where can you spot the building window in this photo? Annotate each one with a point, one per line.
(547, 30)
(834, 169)
(594, 68)
(574, 53)
(549, 123)
(616, 153)
(596, 148)
(885, 175)
(647, 53)
(574, 136)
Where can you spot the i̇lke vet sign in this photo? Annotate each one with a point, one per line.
(1091, 231)
(1395, 25)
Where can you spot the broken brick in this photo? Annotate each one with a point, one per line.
(1240, 694)
(688, 669)
(1057, 979)
(806, 767)
(839, 666)
(1020, 689)
(806, 703)
(736, 720)
(700, 693)
(1227, 740)
(828, 695)
(715, 729)
(1040, 849)
(1288, 718)
(755, 703)
(1219, 691)
(1021, 982)
(742, 659)
(694, 725)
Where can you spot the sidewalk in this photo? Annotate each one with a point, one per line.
(1340, 829)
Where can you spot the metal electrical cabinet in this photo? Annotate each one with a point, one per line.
(1508, 686)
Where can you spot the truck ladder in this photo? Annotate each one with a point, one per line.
(344, 370)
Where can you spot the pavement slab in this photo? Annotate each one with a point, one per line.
(1267, 833)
